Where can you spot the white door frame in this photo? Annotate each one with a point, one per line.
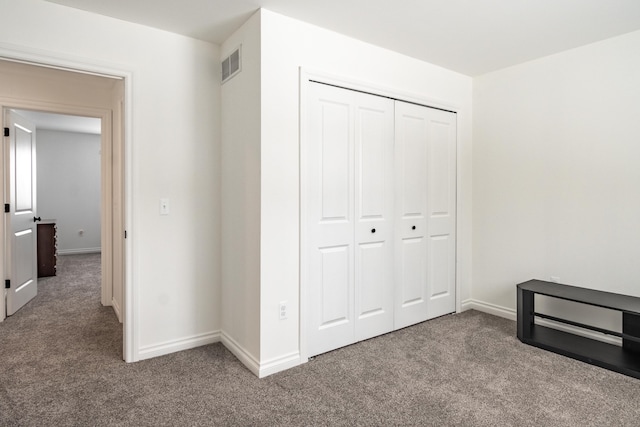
(306, 77)
(90, 66)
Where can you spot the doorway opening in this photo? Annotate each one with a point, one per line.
(60, 93)
(68, 190)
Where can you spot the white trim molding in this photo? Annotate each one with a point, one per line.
(485, 307)
(117, 309)
(79, 251)
(511, 314)
(260, 369)
(609, 339)
(3, 304)
(241, 353)
(167, 347)
(279, 364)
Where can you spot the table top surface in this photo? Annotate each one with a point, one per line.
(594, 297)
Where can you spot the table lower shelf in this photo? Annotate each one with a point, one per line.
(587, 350)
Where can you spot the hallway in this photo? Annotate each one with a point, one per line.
(63, 327)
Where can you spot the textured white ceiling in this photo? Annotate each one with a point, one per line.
(469, 36)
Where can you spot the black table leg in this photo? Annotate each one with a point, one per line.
(631, 326)
(525, 314)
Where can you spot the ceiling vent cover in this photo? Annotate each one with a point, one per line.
(231, 65)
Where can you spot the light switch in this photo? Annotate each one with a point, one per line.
(164, 206)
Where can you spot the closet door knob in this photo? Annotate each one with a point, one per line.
(373, 230)
(413, 227)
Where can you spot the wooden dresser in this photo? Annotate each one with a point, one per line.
(47, 249)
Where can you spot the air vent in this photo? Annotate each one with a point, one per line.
(231, 65)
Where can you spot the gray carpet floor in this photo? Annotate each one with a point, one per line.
(61, 365)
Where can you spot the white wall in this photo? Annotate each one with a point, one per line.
(175, 154)
(241, 198)
(556, 173)
(68, 179)
(288, 44)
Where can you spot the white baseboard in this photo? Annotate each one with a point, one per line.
(260, 370)
(241, 353)
(116, 309)
(279, 364)
(511, 314)
(465, 305)
(269, 367)
(485, 307)
(167, 347)
(79, 251)
(609, 339)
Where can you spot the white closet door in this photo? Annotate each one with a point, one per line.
(350, 210)
(441, 265)
(330, 207)
(425, 213)
(374, 227)
(411, 138)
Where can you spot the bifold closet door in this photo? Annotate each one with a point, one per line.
(425, 209)
(349, 162)
(374, 225)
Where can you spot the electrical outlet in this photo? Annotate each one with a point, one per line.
(282, 312)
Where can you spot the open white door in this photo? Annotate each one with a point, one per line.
(20, 193)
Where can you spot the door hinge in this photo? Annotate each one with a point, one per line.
(6, 131)
(7, 208)
(125, 234)
(7, 284)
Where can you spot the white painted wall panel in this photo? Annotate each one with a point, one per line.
(176, 154)
(69, 187)
(241, 194)
(555, 172)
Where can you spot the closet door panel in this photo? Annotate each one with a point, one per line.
(374, 215)
(426, 188)
(412, 271)
(370, 281)
(442, 212)
(439, 276)
(330, 218)
(334, 285)
(411, 212)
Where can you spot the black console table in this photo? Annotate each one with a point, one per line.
(625, 359)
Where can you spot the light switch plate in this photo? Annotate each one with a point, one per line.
(164, 206)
